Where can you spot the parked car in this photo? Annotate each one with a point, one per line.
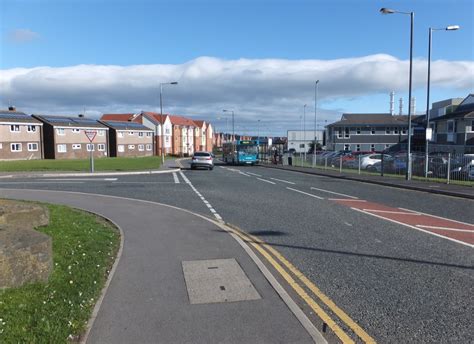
(368, 160)
(202, 159)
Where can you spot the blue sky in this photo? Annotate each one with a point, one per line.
(128, 33)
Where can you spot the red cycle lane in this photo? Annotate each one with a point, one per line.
(453, 230)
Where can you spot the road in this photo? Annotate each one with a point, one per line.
(393, 271)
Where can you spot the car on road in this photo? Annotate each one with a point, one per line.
(202, 159)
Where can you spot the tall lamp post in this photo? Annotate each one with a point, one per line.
(161, 117)
(448, 28)
(412, 19)
(315, 119)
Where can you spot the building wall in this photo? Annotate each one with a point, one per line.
(177, 140)
(70, 139)
(209, 138)
(134, 145)
(22, 137)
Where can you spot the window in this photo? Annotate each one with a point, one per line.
(15, 128)
(451, 127)
(141, 148)
(167, 130)
(347, 147)
(388, 131)
(1, 145)
(396, 131)
(15, 147)
(167, 139)
(302, 145)
(32, 147)
(372, 147)
(90, 147)
(148, 147)
(101, 147)
(387, 146)
(131, 133)
(358, 131)
(339, 133)
(76, 146)
(100, 132)
(131, 147)
(471, 127)
(76, 131)
(372, 131)
(119, 133)
(62, 148)
(140, 134)
(60, 131)
(404, 131)
(149, 134)
(121, 148)
(358, 148)
(31, 129)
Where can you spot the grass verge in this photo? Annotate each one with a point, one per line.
(84, 249)
(82, 165)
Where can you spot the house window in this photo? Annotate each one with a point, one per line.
(141, 148)
(387, 146)
(140, 134)
(121, 148)
(31, 129)
(149, 134)
(100, 132)
(119, 133)
(131, 133)
(339, 133)
(76, 146)
(1, 145)
(32, 147)
(358, 148)
(372, 131)
(167, 139)
(451, 127)
(90, 147)
(167, 130)
(358, 131)
(372, 148)
(388, 131)
(62, 148)
(471, 127)
(101, 147)
(14, 128)
(148, 147)
(404, 131)
(60, 131)
(347, 147)
(76, 131)
(15, 147)
(347, 133)
(131, 147)
(396, 131)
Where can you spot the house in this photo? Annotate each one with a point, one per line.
(183, 135)
(200, 136)
(64, 137)
(454, 132)
(369, 132)
(301, 141)
(20, 136)
(209, 137)
(129, 139)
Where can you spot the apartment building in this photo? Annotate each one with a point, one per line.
(183, 135)
(64, 137)
(20, 136)
(200, 136)
(129, 139)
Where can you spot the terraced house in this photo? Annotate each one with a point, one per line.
(20, 136)
(64, 137)
(128, 139)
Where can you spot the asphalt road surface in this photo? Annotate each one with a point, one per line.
(398, 263)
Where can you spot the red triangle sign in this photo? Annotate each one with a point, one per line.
(90, 134)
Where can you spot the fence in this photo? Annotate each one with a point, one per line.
(442, 167)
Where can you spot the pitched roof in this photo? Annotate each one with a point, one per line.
(179, 120)
(154, 116)
(67, 121)
(121, 125)
(371, 119)
(122, 117)
(465, 109)
(16, 117)
(200, 123)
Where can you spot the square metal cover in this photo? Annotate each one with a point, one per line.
(219, 280)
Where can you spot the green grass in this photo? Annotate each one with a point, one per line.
(102, 164)
(84, 248)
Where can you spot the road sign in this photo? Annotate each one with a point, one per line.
(90, 134)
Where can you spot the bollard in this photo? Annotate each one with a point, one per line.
(448, 172)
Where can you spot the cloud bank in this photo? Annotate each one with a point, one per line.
(268, 89)
(22, 36)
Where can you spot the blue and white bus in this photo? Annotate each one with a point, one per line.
(241, 152)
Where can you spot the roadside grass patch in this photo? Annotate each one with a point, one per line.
(84, 249)
(82, 165)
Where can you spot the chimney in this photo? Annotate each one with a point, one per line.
(401, 106)
(392, 103)
(413, 105)
(11, 108)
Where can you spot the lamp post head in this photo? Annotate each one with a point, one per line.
(384, 10)
(174, 83)
(452, 27)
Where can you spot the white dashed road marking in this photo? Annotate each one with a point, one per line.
(254, 174)
(304, 193)
(335, 193)
(266, 181)
(283, 181)
(176, 179)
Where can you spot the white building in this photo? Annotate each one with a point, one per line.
(300, 140)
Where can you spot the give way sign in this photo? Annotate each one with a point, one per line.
(90, 134)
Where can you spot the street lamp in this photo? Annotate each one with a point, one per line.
(412, 19)
(315, 119)
(448, 28)
(161, 117)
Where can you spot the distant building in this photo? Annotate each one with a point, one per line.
(20, 136)
(301, 141)
(444, 107)
(129, 139)
(64, 137)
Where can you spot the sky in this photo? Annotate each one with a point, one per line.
(258, 58)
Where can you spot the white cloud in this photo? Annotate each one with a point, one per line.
(22, 35)
(268, 89)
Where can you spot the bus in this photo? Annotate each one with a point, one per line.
(246, 152)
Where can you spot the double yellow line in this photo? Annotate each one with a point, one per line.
(267, 251)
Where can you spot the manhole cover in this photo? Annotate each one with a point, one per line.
(219, 280)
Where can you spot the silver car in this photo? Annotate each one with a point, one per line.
(202, 159)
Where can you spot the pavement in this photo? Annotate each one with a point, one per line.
(160, 292)
(454, 190)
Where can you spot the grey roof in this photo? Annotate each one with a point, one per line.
(16, 117)
(368, 119)
(125, 125)
(465, 109)
(73, 122)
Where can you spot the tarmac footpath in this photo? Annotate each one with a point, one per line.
(181, 278)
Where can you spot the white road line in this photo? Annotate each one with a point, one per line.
(266, 181)
(79, 179)
(283, 181)
(176, 179)
(245, 174)
(390, 212)
(44, 182)
(304, 193)
(438, 217)
(335, 193)
(414, 227)
(254, 174)
(447, 229)
(347, 200)
(211, 209)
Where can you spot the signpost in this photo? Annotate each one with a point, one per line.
(91, 136)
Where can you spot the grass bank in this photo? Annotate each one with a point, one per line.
(102, 164)
(84, 249)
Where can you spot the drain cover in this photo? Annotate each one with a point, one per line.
(219, 280)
